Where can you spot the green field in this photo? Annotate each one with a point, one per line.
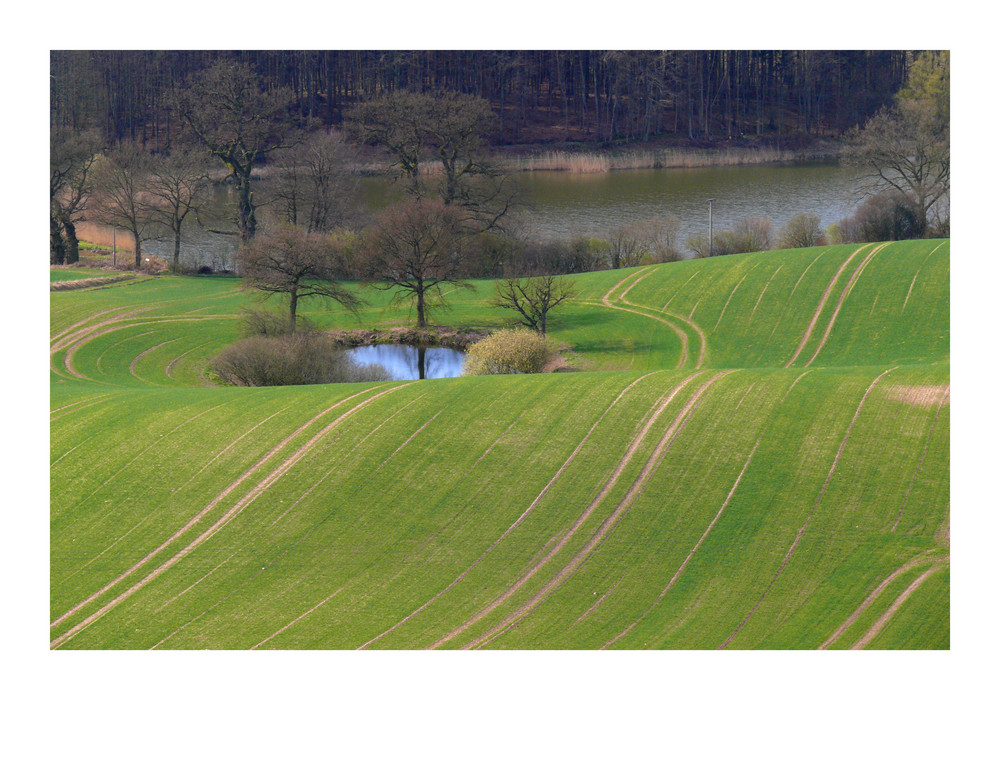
(744, 452)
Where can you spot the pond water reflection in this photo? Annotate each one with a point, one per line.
(412, 362)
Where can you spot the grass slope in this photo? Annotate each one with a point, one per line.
(748, 452)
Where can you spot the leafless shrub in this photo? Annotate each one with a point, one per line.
(302, 358)
(802, 231)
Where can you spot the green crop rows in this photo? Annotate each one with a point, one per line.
(744, 452)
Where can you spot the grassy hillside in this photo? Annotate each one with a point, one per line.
(746, 452)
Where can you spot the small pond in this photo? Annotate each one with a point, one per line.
(412, 362)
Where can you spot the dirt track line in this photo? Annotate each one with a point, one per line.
(600, 600)
(62, 409)
(750, 320)
(884, 618)
(400, 447)
(623, 294)
(186, 483)
(146, 449)
(726, 305)
(679, 290)
(215, 501)
(796, 382)
(843, 297)
(299, 618)
(607, 296)
(638, 486)
(819, 498)
(233, 512)
(822, 302)
(923, 454)
(872, 597)
(131, 366)
(691, 554)
(914, 280)
(676, 329)
(170, 366)
(661, 405)
(498, 440)
(277, 519)
(520, 519)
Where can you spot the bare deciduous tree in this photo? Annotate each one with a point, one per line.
(121, 193)
(289, 261)
(71, 158)
(414, 248)
(533, 298)
(178, 185)
(313, 184)
(447, 129)
(226, 109)
(907, 147)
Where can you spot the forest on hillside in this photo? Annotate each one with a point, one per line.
(784, 98)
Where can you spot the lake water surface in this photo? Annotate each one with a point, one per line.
(411, 362)
(564, 204)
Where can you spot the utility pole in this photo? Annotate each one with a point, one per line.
(710, 235)
(114, 246)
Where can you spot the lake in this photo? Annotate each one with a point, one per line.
(564, 204)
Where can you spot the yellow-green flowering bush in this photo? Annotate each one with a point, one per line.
(508, 352)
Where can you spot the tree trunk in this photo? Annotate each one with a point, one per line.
(177, 249)
(421, 318)
(57, 245)
(292, 309)
(138, 250)
(72, 242)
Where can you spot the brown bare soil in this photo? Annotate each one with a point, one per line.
(921, 396)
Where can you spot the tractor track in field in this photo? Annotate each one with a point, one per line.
(843, 297)
(874, 594)
(637, 488)
(923, 454)
(268, 527)
(812, 512)
(681, 335)
(243, 503)
(914, 280)
(664, 309)
(64, 411)
(822, 303)
(661, 405)
(729, 299)
(766, 285)
(690, 555)
(190, 479)
(883, 620)
(146, 449)
(518, 521)
(143, 354)
(300, 617)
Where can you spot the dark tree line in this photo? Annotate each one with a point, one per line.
(595, 96)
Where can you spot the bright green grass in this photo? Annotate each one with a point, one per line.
(524, 511)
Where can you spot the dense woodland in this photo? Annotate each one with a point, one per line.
(781, 97)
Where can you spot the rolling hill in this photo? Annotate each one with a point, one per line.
(746, 452)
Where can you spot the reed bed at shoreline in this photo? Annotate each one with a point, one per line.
(594, 162)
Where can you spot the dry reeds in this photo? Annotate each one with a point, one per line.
(563, 161)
